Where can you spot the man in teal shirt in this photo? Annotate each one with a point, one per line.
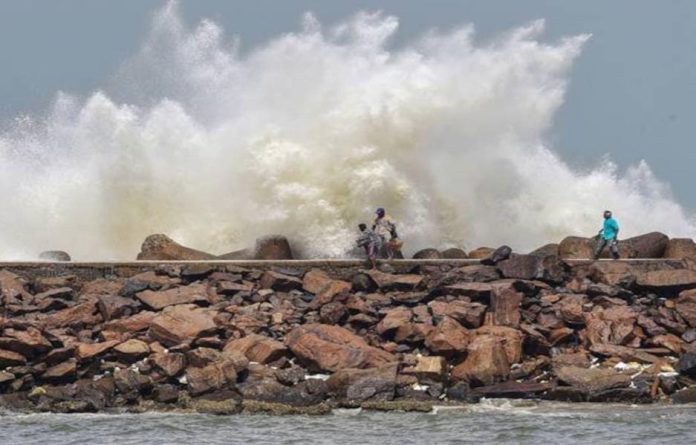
(608, 236)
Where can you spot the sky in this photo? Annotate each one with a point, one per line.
(631, 93)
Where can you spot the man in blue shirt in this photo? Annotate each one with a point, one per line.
(608, 236)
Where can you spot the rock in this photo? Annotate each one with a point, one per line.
(530, 267)
(162, 248)
(390, 282)
(476, 291)
(6, 377)
(212, 377)
(448, 339)
(505, 306)
(359, 385)
(202, 356)
(273, 247)
(546, 250)
(454, 253)
(279, 282)
(332, 313)
(318, 282)
(477, 273)
(54, 255)
(679, 248)
(132, 350)
(513, 390)
(511, 340)
(241, 254)
(181, 324)
(130, 325)
(394, 319)
(12, 288)
(668, 280)
(686, 306)
(257, 348)
(649, 245)
(624, 353)
(112, 307)
(686, 395)
(11, 358)
(428, 368)
(575, 247)
(61, 372)
(83, 314)
(158, 300)
(128, 380)
(486, 362)
(170, 363)
(591, 380)
(500, 254)
(63, 293)
(86, 351)
(480, 253)
(29, 342)
(687, 364)
(614, 325)
(330, 348)
(427, 254)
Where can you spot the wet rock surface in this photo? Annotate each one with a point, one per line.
(225, 338)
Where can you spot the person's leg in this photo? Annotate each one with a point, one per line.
(614, 249)
(372, 255)
(600, 247)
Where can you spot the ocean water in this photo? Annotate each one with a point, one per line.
(216, 143)
(499, 422)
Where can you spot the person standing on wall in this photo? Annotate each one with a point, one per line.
(608, 236)
(385, 227)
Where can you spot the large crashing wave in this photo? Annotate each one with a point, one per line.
(305, 136)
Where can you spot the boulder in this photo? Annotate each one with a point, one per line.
(170, 363)
(86, 351)
(212, 377)
(505, 306)
(54, 255)
(242, 254)
(132, 350)
(686, 306)
(667, 280)
(480, 253)
(394, 319)
(449, 338)
(591, 380)
(181, 324)
(500, 254)
(679, 248)
(257, 348)
(162, 248)
(687, 364)
(427, 254)
(469, 315)
(113, 307)
(279, 282)
(11, 358)
(273, 247)
(546, 250)
(399, 282)
(330, 348)
(575, 247)
(486, 362)
(454, 253)
(318, 282)
(158, 300)
(29, 342)
(513, 390)
(686, 395)
(428, 368)
(529, 267)
(511, 340)
(624, 353)
(359, 385)
(82, 314)
(61, 372)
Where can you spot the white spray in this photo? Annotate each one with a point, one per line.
(306, 136)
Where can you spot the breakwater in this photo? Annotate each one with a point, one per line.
(310, 336)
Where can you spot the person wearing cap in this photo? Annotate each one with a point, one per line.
(608, 236)
(371, 242)
(385, 227)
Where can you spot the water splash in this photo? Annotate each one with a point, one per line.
(305, 136)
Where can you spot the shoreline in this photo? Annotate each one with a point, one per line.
(306, 337)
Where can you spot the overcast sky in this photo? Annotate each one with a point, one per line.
(631, 96)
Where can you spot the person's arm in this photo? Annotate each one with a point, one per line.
(616, 231)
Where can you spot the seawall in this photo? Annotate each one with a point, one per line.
(306, 336)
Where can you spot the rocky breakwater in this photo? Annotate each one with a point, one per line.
(226, 339)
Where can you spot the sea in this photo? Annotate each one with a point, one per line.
(496, 421)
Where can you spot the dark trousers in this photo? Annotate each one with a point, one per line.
(613, 248)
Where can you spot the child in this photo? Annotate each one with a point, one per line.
(371, 242)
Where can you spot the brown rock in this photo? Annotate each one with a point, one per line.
(212, 377)
(575, 247)
(470, 315)
(257, 348)
(665, 280)
(12, 287)
(387, 282)
(427, 254)
(171, 363)
(273, 247)
(11, 358)
(531, 267)
(679, 248)
(477, 291)
(428, 367)
(332, 313)
(82, 314)
(513, 390)
(129, 381)
(686, 306)
(592, 379)
(29, 342)
(481, 253)
(132, 324)
(279, 282)
(161, 247)
(201, 357)
(614, 325)
(193, 293)
(511, 340)
(668, 341)
(570, 308)
(505, 306)
(448, 339)
(546, 250)
(181, 324)
(61, 372)
(86, 351)
(624, 353)
(330, 348)
(394, 319)
(359, 385)
(577, 359)
(6, 377)
(319, 283)
(113, 306)
(63, 293)
(454, 253)
(486, 362)
(132, 350)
